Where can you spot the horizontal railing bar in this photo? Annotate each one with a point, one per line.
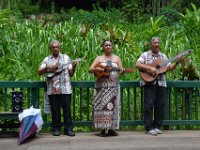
(22, 84)
(181, 122)
(137, 122)
(185, 83)
(86, 84)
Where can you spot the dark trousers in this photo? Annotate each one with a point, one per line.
(56, 102)
(154, 99)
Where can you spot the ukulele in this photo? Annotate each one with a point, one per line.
(62, 67)
(108, 69)
(161, 67)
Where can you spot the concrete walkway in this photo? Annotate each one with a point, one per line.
(127, 140)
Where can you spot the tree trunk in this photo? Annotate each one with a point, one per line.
(146, 3)
(158, 7)
(8, 4)
(153, 5)
(164, 3)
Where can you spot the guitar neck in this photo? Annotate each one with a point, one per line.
(112, 69)
(168, 61)
(117, 69)
(64, 66)
(175, 58)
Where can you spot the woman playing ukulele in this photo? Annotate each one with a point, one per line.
(106, 100)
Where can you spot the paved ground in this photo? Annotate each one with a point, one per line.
(129, 140)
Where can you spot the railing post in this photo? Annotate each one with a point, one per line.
(35, 97)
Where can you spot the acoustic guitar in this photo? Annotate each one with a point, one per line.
(161, 67)
(62, 67)
(108, 69)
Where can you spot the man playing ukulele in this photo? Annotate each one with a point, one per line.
(59, 88)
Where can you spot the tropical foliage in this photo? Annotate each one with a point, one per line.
(24, 43)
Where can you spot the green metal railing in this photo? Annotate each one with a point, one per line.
(182, 106)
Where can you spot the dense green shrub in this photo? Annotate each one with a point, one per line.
(133, 10)
(171, 16)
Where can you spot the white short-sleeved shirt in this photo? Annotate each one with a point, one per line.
(147, 58)
(60, 83)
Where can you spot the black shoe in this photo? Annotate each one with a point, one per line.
(103, 133)
(111, 132)
(69, 133)
(56, 133)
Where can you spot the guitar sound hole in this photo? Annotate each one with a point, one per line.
(157, 67)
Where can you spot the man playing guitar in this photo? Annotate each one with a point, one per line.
(154, 84)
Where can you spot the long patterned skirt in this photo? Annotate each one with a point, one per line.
(106, 103)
